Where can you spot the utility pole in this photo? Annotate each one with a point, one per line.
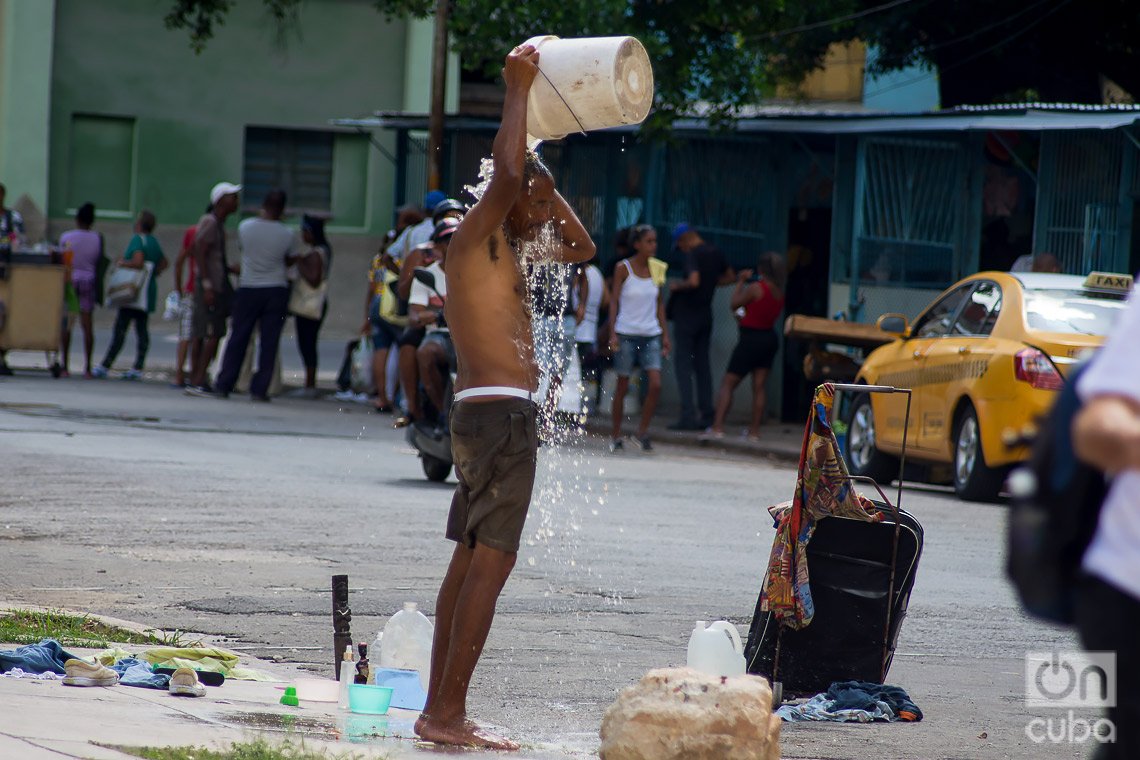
(438, 86)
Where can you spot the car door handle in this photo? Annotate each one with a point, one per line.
(963, 349)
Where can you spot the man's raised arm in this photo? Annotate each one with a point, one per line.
(577, 245)
(507, 153)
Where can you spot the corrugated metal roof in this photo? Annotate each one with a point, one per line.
(1034, 117)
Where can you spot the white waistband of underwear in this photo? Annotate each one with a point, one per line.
(494, 390)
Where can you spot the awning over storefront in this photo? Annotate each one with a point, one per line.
(1037, 117)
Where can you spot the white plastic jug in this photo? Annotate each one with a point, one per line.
(588, 83)
(406, 642)
(716, 650)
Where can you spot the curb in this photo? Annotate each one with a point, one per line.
(771, 450)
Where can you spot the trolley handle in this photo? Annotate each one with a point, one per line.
(862, 388)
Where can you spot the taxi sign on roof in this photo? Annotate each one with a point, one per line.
(1121, 283)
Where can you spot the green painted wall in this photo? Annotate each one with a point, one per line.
(115, 58)
(25, 97)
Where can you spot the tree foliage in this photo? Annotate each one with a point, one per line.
(700, 49)
(716, 56)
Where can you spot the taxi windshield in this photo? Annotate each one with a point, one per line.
(1072, 311)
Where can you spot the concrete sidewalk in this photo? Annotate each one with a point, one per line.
(45, 719)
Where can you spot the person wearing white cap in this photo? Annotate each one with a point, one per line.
(212, 289)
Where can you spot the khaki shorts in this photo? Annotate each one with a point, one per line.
(495, 447)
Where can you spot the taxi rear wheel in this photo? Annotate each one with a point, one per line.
(973, 480)
(863, 457)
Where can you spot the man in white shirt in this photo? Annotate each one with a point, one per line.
(425, 309)
(268, 247)
(1106, 435)
(417, 234)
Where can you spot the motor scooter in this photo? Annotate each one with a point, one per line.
(430, 436)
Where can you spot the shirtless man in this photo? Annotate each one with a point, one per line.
(494, 435)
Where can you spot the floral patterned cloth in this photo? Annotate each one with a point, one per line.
(822, 490)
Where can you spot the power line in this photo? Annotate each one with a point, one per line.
(984, 29)
(836, 20)
(980, 53)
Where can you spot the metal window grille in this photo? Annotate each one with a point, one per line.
(910, 197)
(298, 161)
(1077, 208)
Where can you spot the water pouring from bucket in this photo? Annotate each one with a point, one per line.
(588, 83)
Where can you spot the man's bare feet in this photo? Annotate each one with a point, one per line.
(461, 733)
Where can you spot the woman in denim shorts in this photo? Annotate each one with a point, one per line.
(639, 338)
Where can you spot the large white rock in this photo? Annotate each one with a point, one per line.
(683, 714)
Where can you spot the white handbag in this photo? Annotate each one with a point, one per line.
(124, 285)
(307, 301)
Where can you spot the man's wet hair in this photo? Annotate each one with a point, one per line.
(534, 167)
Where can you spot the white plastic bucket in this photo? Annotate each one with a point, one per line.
(588, 83)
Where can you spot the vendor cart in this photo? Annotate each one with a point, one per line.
(31, 302)
(861, 572)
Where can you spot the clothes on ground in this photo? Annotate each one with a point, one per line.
(1114, 554)
(587, 330)
(265, 245)
(46, 657)
(695, 306)
(823, 489)
(212, 659)
(20, 674)
(421, 295)
(855, 702)
(134, 672)
(152, 253)
(637, 307)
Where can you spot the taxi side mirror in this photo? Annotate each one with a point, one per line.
(893, 324)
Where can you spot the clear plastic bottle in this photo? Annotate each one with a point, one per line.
(347, 674)
(406, 642)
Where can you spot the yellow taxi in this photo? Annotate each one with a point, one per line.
(986, 357)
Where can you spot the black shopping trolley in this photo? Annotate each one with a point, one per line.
(861, 575)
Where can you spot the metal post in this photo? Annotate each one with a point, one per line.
(342, 620)
(438, 86)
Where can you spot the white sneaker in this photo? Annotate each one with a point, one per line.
(83, 673)
(184, 683)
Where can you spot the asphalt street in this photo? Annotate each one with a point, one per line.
(229, 517)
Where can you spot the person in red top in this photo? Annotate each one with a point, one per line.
(761, 297)
(185, 289)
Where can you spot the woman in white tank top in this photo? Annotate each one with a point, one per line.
(637, 318)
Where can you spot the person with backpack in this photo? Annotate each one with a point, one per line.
(1106, 436)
